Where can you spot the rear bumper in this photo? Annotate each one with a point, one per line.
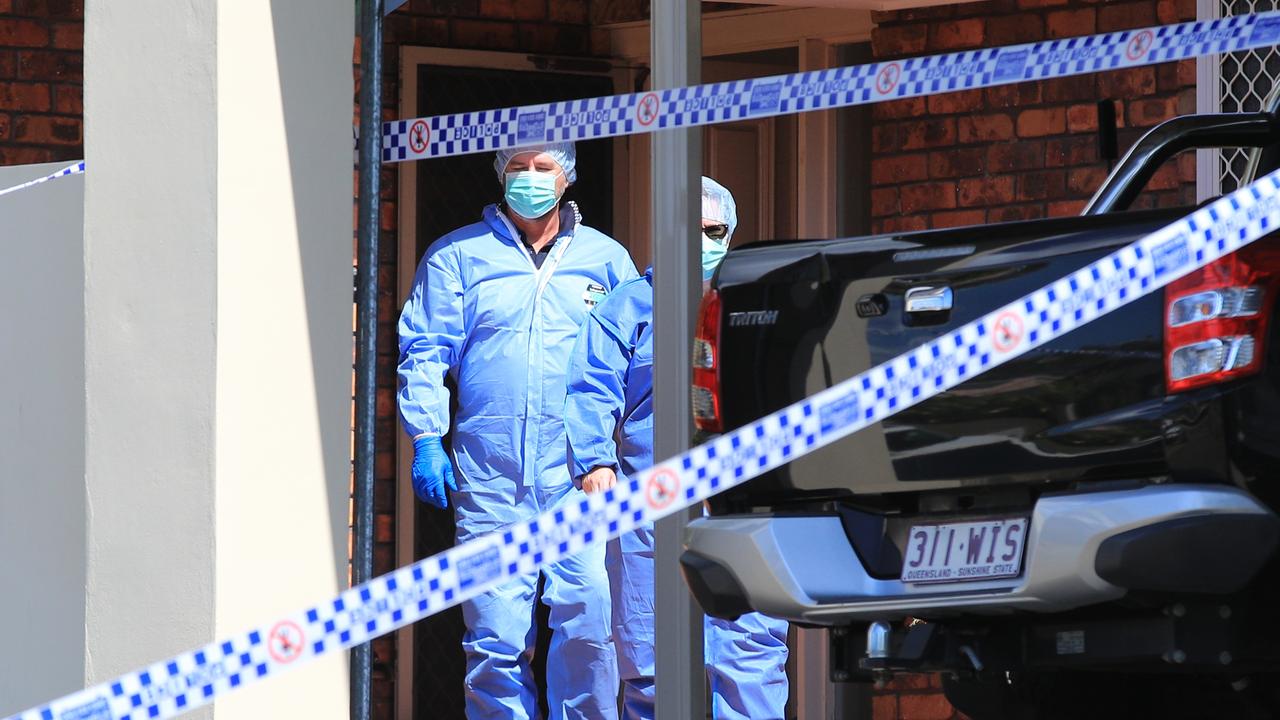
(1081, 549)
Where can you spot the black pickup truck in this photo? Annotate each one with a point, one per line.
(1086, 531)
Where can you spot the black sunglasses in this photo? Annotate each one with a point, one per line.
(716, 232)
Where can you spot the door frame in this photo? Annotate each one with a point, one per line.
(412, 57)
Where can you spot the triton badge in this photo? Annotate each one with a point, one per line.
(754, 317)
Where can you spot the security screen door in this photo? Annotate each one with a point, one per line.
(451, 193)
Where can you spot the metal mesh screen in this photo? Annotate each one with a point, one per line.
(1246, 80)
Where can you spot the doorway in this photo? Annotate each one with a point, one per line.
(438, 196)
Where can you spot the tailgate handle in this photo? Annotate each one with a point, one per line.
(928, 299)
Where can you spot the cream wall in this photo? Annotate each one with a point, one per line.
(41, 445)
(217, 330)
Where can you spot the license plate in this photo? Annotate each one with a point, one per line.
(964, 552)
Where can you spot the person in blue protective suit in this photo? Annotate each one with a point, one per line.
(611, 396)
(497, 306)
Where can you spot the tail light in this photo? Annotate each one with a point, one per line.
(1216, 319)
(706, 365)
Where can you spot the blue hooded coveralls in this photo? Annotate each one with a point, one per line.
(611, 389)
(503, 328)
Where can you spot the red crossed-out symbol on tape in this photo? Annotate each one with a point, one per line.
(1139, 45)
(661, 488)
(285, 641)
(647, 110)
(1008, 332)
(419, 134)
(887, 78)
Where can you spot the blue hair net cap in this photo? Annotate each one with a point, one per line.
(563, 153)
(718, 204)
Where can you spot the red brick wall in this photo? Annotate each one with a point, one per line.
(41, 75)
(1018, 151)
(1011, 153)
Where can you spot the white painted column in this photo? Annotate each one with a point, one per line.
(217, 330)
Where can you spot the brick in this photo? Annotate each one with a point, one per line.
(985, 128)
(955, 102)
(1187, 166)
(569, 11)
(1071, 151)
(1042, 185)
(886, 138)
(1013, 29)
(25, 97)
(6, 7)
(1125, 16)
(447, 8)
(985, 192)
(936, 12)
(26, 155)
(1025, 4)
(22, 32)
(1176, 75)
(1021, 155)
(933, 706)
(484, 34)
(928, 133)
(957, 35)
(960, 162)
(1169, 12)
(68, 36)
(1017, 95)
(899, 169)
(1085, 181)
(928, 196)
(1186, 104)
(1039, 122)
(1015, 213)
(44, 65)
(884, 707)
(899, 40)
(957, 218)
(1151, 111)
(1070, 89)
(5, 124)
(1065, 208)
(8, 64)
(1166, 178)
(896, 109)
(903, 223)
(45, 130)
(1082, 118)
(1071, 23)
(884, 201)
(433, 31)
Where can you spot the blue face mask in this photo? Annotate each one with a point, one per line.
(531, 194)
(713, 251)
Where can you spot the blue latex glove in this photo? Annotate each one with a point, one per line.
(431, 472)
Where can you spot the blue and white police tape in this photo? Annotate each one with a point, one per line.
(429, 586)
(76, 169)
(617, 115)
